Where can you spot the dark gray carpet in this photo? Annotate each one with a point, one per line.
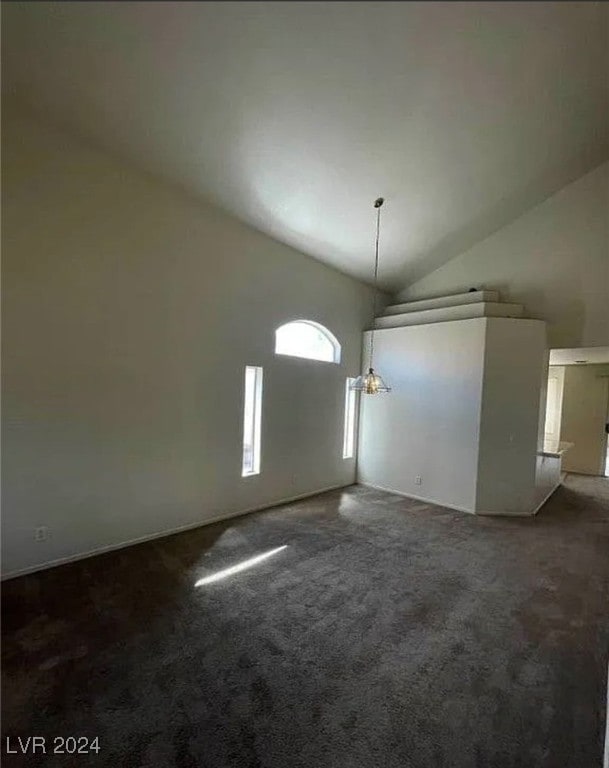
(388, 634)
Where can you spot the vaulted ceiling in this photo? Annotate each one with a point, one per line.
(295, 116)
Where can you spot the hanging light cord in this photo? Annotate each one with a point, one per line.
(377, 204)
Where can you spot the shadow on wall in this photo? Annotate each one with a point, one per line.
(568, 327)
(504, 212)
(565, 323)
(565, 327)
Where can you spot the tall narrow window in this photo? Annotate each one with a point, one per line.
(349, 434)
(252, 412)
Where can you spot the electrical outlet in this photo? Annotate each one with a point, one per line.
(418, 480)
(41, 533)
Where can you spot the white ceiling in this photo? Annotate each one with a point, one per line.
(296, 116)
(591, 355)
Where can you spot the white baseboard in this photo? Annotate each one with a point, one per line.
(532, 513)
(162, 534)
(461, 509)
(416, 498)
(540, 505)
(495, 513)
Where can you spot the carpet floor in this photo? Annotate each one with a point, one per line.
(386, 633)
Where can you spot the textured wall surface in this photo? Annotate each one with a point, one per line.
(130, 311)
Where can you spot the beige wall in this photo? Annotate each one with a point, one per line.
(462, 415)
(428, 426)
(129, 313)
(584, 410)
(514, 367)
(554, 260)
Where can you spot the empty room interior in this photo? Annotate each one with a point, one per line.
(305, 384)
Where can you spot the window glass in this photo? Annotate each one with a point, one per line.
(303, 338)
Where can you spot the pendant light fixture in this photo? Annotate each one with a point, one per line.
(371, 383)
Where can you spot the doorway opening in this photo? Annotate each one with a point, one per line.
(577, 408)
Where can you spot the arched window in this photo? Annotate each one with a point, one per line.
(304, 338)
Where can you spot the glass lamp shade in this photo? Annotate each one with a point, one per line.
(370, 384)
